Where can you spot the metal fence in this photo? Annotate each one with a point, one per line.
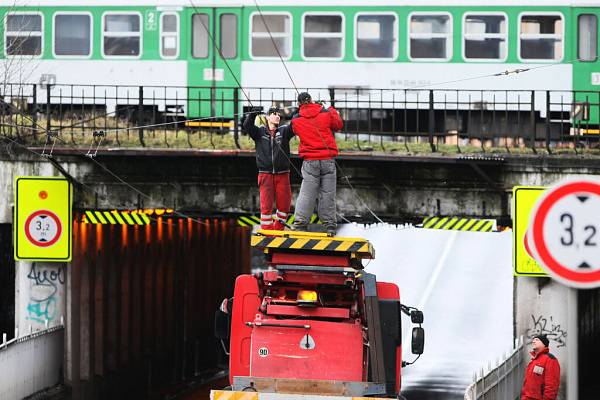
(502, 381)
(509, 118)
(31, 363)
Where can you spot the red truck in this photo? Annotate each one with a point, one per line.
(315, 323)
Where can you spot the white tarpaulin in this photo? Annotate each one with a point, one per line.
(463, 283)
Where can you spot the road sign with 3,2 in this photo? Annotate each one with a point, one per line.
(43, 219)
(565, 232)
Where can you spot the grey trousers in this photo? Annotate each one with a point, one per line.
(318, 181)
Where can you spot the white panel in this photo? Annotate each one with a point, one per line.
(406, 75)
(463, 282)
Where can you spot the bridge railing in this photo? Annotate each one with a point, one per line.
(502, 381)
(167, 116)
(31, 363)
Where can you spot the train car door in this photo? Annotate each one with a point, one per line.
(586, 70)
(214, 59)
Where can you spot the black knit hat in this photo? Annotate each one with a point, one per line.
(274, 110)
(543, 339)
(304, 98)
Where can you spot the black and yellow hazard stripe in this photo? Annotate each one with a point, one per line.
(115, 217)
(459, 224)
(312, 241)
(250, 220)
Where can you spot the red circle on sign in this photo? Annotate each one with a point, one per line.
(56, 221)
(526, 243)
(539, 241)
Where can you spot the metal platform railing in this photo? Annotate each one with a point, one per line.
(502, 381)
(31, 363)
(533, 119)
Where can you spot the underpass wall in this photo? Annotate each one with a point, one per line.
(141, 302)
(40, 295)
(541, 307)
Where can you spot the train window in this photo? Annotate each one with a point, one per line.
(485, 37)
(587, 39)
(200, 37)
(23, 34)
(280, 27)
(122, 35)
(375, 36)
(169, 35)
(323, 36)
(430, 36)
(72, 34)
(541, 36)
(228, 43)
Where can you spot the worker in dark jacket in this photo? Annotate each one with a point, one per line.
(542, 377)
(315, 126)
(273, 162)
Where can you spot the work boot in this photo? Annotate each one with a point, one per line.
(331, 230)
(300, 226)
(278, 225)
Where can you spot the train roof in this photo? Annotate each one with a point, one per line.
(251, 3)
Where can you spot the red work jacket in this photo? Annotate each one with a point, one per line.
(542, 377)
(315, 125)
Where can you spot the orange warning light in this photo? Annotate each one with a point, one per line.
(43, 195)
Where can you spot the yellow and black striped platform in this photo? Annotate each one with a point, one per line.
(312, 241)
(115, 217)
(460, 224)
(250, 220)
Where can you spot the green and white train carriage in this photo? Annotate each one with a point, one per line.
(186, 47)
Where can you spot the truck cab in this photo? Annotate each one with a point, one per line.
(315, 322)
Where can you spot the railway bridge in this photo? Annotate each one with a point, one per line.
(134, 301)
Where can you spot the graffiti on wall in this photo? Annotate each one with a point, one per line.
(45, 282)
(545, 326)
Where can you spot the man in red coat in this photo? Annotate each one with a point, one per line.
(542, 377)
(315, 126)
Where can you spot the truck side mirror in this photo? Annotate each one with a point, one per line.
(416, 317)
(418, 340)
(221, 325)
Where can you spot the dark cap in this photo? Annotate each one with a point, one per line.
(543, 339)
(274, 110)
(304, 98)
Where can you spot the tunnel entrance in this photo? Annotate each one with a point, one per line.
(141, 303)
(589, 343)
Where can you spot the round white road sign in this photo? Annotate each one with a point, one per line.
(564, 232)
(43, 228)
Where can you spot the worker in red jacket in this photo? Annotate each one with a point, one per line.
(542, 377)
(315, 126)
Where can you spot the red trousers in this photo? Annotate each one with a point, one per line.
(274, 188)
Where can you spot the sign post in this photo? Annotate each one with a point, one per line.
(43, 219)
(564, 232)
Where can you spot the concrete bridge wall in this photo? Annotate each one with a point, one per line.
(394, 188)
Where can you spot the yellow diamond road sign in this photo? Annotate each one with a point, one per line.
(524, 198)
(43, 219)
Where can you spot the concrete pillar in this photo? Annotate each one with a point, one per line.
(542, 306)
(39, 295)
(573, 346)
